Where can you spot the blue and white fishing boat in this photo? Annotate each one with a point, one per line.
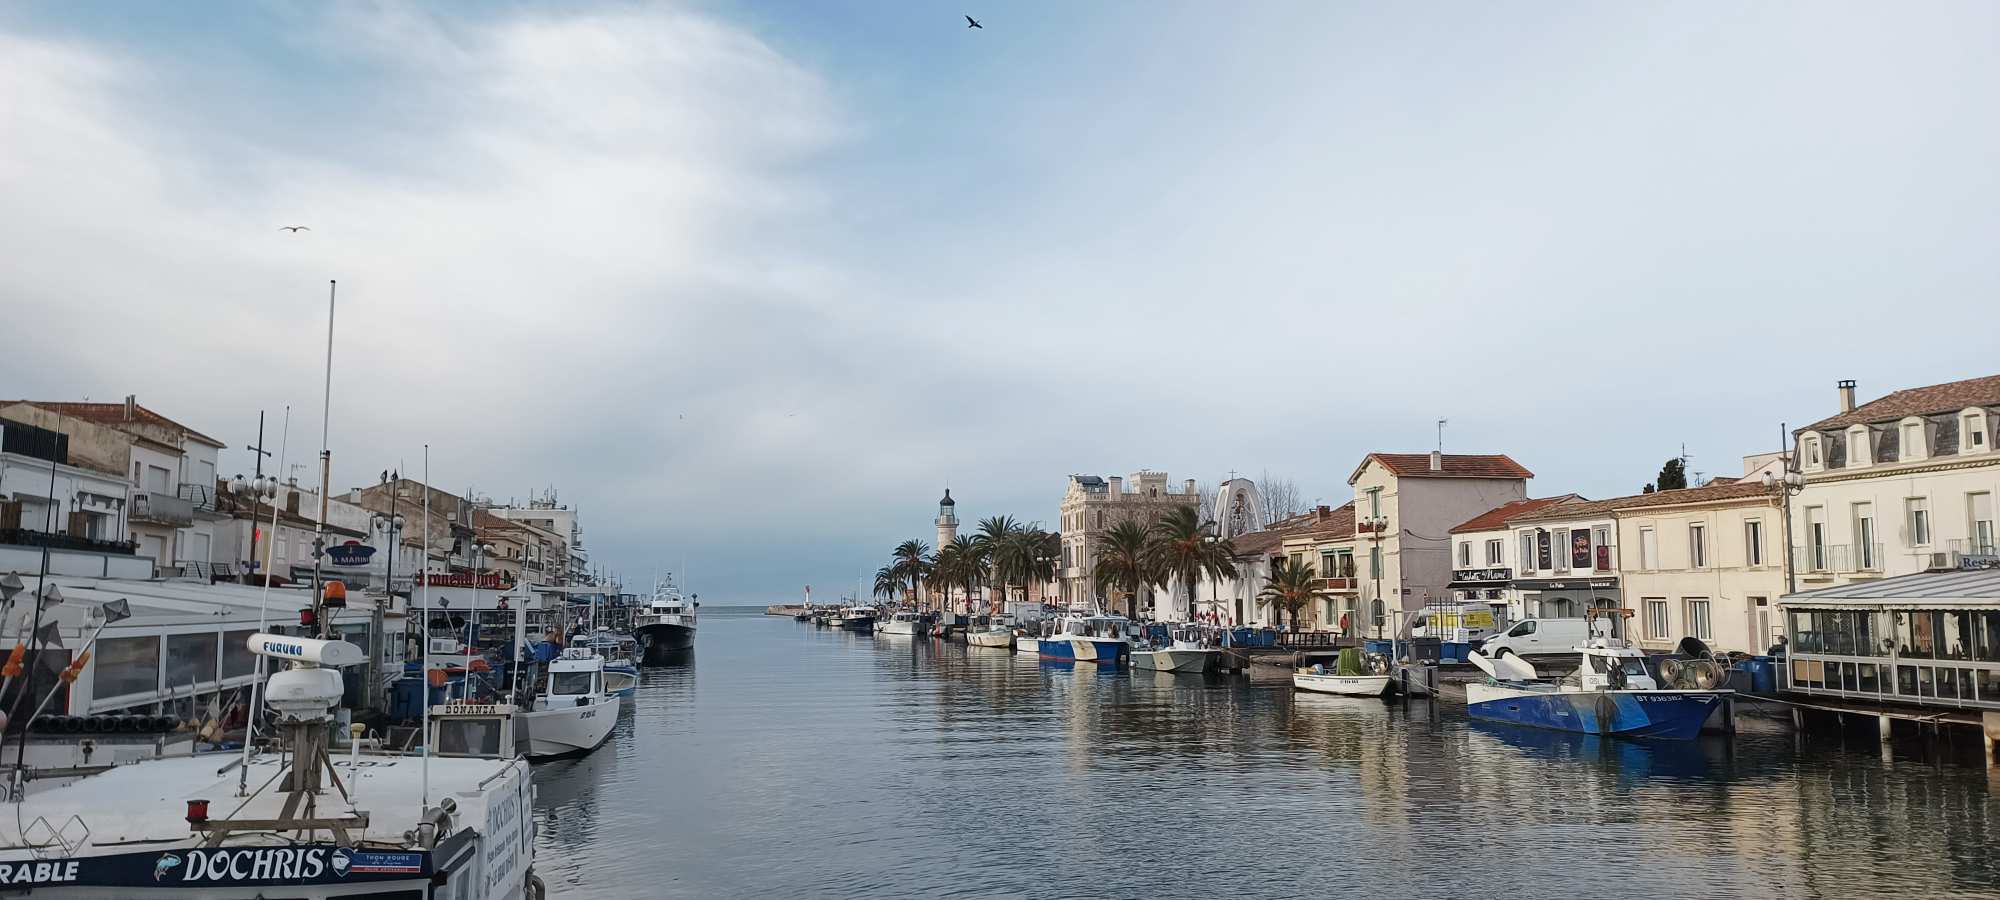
(1056, 634)
(1105, 639)
(1611, 693)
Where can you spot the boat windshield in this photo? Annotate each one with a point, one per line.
(570, 683)
(468, 737)
(1633, 665)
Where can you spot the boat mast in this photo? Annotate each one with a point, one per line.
(425, 767)
(320, 618)
(263, 606)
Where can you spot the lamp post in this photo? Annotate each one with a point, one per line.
(1785, 488)
(1376, 525)
(391, 524)
(478, 552)
(260, 489)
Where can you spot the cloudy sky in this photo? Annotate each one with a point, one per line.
(750, 283)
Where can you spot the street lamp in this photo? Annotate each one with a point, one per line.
(1376, 525)
(259, 489)
(1786, 487)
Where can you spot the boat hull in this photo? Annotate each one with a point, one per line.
(1173, 660)
(895, 627)
(570, 731)
(1028, 644)
(1343, 685)
(621, 682)
(1659, 715)
(663, 638)
(1097, 651)
(995, 639)
(860, 624)
(1059, 648)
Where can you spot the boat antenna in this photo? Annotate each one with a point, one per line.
(321, 620)
(263, 607)
(424, 572)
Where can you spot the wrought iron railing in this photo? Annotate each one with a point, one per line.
(29, 538)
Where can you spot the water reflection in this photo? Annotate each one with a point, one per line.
(814, 762)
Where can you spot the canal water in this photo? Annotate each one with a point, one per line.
(787, 761)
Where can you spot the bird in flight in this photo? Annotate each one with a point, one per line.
(971, 22)
(295, 229)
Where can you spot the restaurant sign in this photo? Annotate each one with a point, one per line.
(1490, 574)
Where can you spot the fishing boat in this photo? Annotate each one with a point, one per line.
(1611, 692)
(620, 653)
(995, 631)
(667, 622)
(1353, 675)
(573, 713)
(1054, 642)
(1105, 639)
(311, 820)
(902, 621)
(1186, 650)
(857, 618)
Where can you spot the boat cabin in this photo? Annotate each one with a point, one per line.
(577, 676)
(1606, 667)
(483, 730)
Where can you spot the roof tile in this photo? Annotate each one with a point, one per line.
(1454, 465)
(1496, 518)
(1937, 398)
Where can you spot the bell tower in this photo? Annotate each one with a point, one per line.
(947, 520)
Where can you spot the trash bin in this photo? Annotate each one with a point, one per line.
(1763, 674)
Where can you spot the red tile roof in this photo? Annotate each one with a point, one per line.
(1937, 398)
(113, 414)
(1454, 465)
(1708, 493)
(1496, 518)
(1339, 522)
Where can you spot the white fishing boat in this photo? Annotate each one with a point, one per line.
(666, 624)
(1354, 675)
(996, 632)
(620, 653)
(574, 712)
(313, 821)
(1186, 650)
(901, 621)
(857, 618)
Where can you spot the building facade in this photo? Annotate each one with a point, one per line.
(1486, 554)
(1092, 505)
(1704, 562)
(1566, 560)
(1900, 485)
(1405, 505)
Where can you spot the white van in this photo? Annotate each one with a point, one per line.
(1529, 637)
(1464, 623)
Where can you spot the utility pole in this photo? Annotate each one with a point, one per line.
(257, 453)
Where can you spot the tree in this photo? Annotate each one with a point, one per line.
(888, 582)
(1281, 498)
(994, 533)
(1290, 588)
(1673, 477)
(912, 563)
(1204, 502)
(1184, 546)
(1121, 563)
(961, 564)
(1032, 556)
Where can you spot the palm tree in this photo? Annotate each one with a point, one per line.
(994, 533)
(912, 563)
(888, 582)
(1185, 547)
(1122, 563)
(1030, 555)
(962, 564)
(1290, 588)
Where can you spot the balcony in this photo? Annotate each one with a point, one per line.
(202, 496)
(1334, 584)
(1974, 547)
(161, 509)
(26, 538)
(1837, 559)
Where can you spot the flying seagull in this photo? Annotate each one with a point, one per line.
(295, 229)
(971, 22)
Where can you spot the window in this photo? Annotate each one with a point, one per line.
(1375, 561)
(1493, 551)
(1601, 544)
(1972, 431)
(1465, 554)
(1812, 452)
(1698, 545)
(1698, 621)
(1858, 452)
(1816, 538)
(1375, 501)
(1343, 564)
(1980, 506)
(1657, 625)
(1864, 536)
(1560, 538)
(1913, 440)
(1649, 549)
(127, 666)
(236, 657)
(1753, 542)
(1918, 514)
(190, 659)
(1527, 551)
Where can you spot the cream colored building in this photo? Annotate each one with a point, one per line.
(1091, 506)
(1405, 505)
(1326, 541)
(1902, 484)
(1704, 562)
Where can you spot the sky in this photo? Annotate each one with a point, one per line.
(751, 284)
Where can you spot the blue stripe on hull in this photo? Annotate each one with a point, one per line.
(1676, 717)
(1057, 649)
(1111, 652)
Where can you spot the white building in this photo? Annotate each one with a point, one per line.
(1566, 559)
(1486, 554)
(1405, 505)
(1903, 484)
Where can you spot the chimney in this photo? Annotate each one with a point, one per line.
(132, 406)
(1322, 513)
(1437, 460)
(1116, 486)
(1846, 387)
(1189, 486)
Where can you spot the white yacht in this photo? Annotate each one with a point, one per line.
(1185, 651)
(995, 631)
(312, 821)
(666, 623)
(901, 621)
(574, 712)
(857, 618)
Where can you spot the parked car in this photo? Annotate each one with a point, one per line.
(1530, 637)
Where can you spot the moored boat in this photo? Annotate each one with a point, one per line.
(1186, 650)
(902, 621)
(1105, 639)
(574, 713)
(1353, 675)
(1611, 693)
(667, 623)
(996, 632)
(857, 618)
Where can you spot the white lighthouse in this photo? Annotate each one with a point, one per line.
(947, 520)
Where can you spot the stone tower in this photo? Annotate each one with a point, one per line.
(947, 520)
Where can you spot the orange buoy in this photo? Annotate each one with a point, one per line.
(437, 678)
(13, 666)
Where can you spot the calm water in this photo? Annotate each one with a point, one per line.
(788, 761)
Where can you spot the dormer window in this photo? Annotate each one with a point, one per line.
(1912, 439)
(1972, 431)
(1812, 452)
(1858, 451)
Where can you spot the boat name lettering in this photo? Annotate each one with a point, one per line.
(262, 864)
(37, 872)
(501, 848)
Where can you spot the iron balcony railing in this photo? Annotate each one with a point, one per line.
(162, 509)
(1836, 559)
(201, 495)
(29, 538)
(1975, 547)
